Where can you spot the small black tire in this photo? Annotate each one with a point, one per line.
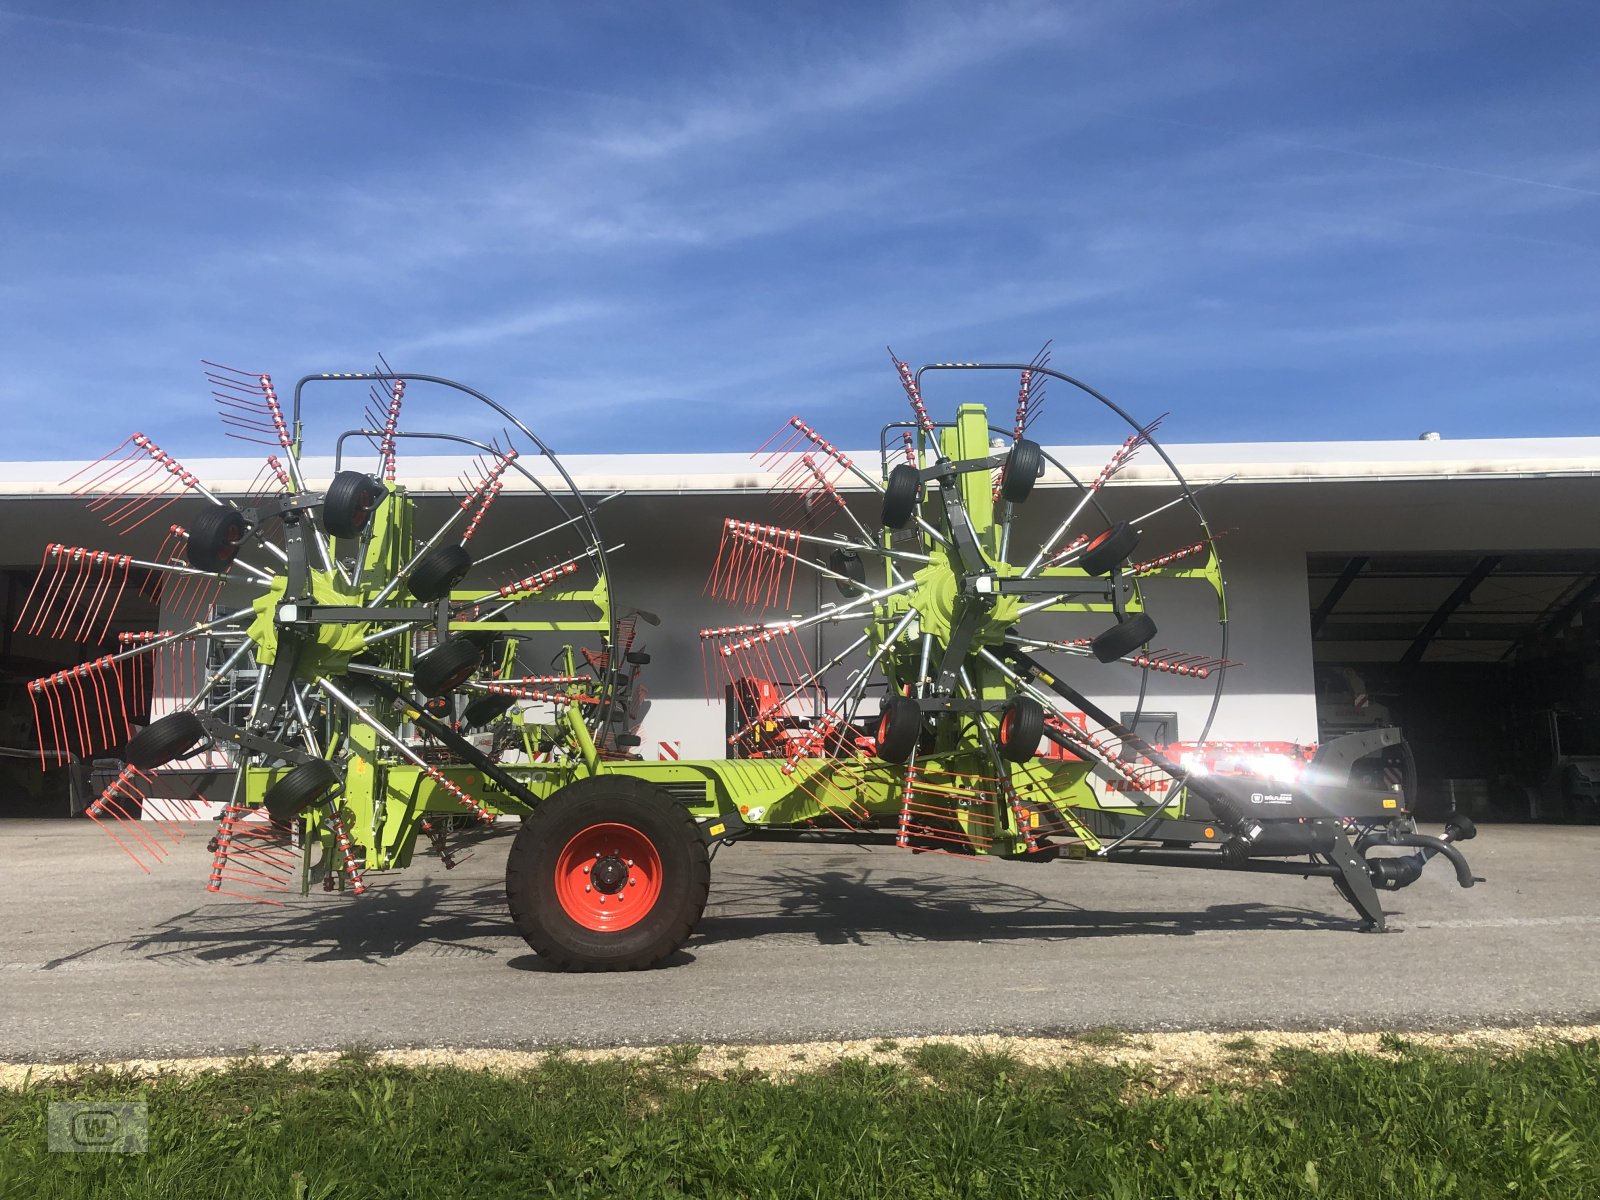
(1024, 465)
(552, 840)
(305, 784)
(1123, 638)
(446, 667)
(484, 710)
(899, 727)
(1108, 549)
(438, 570)
(637, 658)
(900, 496)
(171, 737)
(627, 741)
(348, 503)
(215, 536)
(848, 563)
(1021, 728)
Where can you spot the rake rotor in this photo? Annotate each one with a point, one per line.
(294, 614)
(962, 602)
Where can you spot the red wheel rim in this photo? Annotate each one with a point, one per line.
(1096, 540)
(1008, 723)
(608, 877)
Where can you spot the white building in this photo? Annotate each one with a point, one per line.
(1457, 583)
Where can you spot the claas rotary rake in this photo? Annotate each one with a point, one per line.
(365, 666)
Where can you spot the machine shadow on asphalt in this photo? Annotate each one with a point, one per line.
(835, 907)
(431, 920)
(827, 906)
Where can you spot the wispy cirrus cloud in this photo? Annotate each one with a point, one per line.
(705, 217)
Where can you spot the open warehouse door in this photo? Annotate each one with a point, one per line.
(1489, 663)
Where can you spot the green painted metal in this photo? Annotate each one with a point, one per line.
(384, 799)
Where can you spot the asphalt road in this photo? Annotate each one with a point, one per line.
(799, 943)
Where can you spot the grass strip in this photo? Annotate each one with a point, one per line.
(935, 1120)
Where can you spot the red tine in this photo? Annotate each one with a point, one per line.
(89, 484)
(52, 554)
(111, 565)
(724, 551)
(41, 689)
(1153, 564)
(489, 487)
(64, 557)
(913, 393)
(83, 562)
(38, 725)
(111, 833)
(386, 448)
(1024, 403)
(346, 853)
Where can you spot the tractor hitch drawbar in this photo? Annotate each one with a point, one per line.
(1329, 854)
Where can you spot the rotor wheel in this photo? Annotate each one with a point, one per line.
(608, 874)
(348, 503)
(305, 784)
(1021, 729)
(848, 563)
(446, 667)
(899, 728)
(1109, 549)
(485, 710)
(438, 570)
(1124, 637)
(900, 496)
(1024, 465)
(174, 736)
(215, 535)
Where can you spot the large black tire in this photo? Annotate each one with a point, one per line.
(848, 563)
(214, 538)
(659, 857)
(1021, 728)
(1024, 464)
(446, 667)
(899, 727)
(1123, 638)
(1109, 549)
(439, 570)
(174, 736)
(304, 785)
(348, 503)
(900, 496)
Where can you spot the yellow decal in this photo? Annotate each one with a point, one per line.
(717, 830)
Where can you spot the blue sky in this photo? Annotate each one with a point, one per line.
(668, 227)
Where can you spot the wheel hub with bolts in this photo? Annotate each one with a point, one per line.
(610, 875)
(345, 638)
